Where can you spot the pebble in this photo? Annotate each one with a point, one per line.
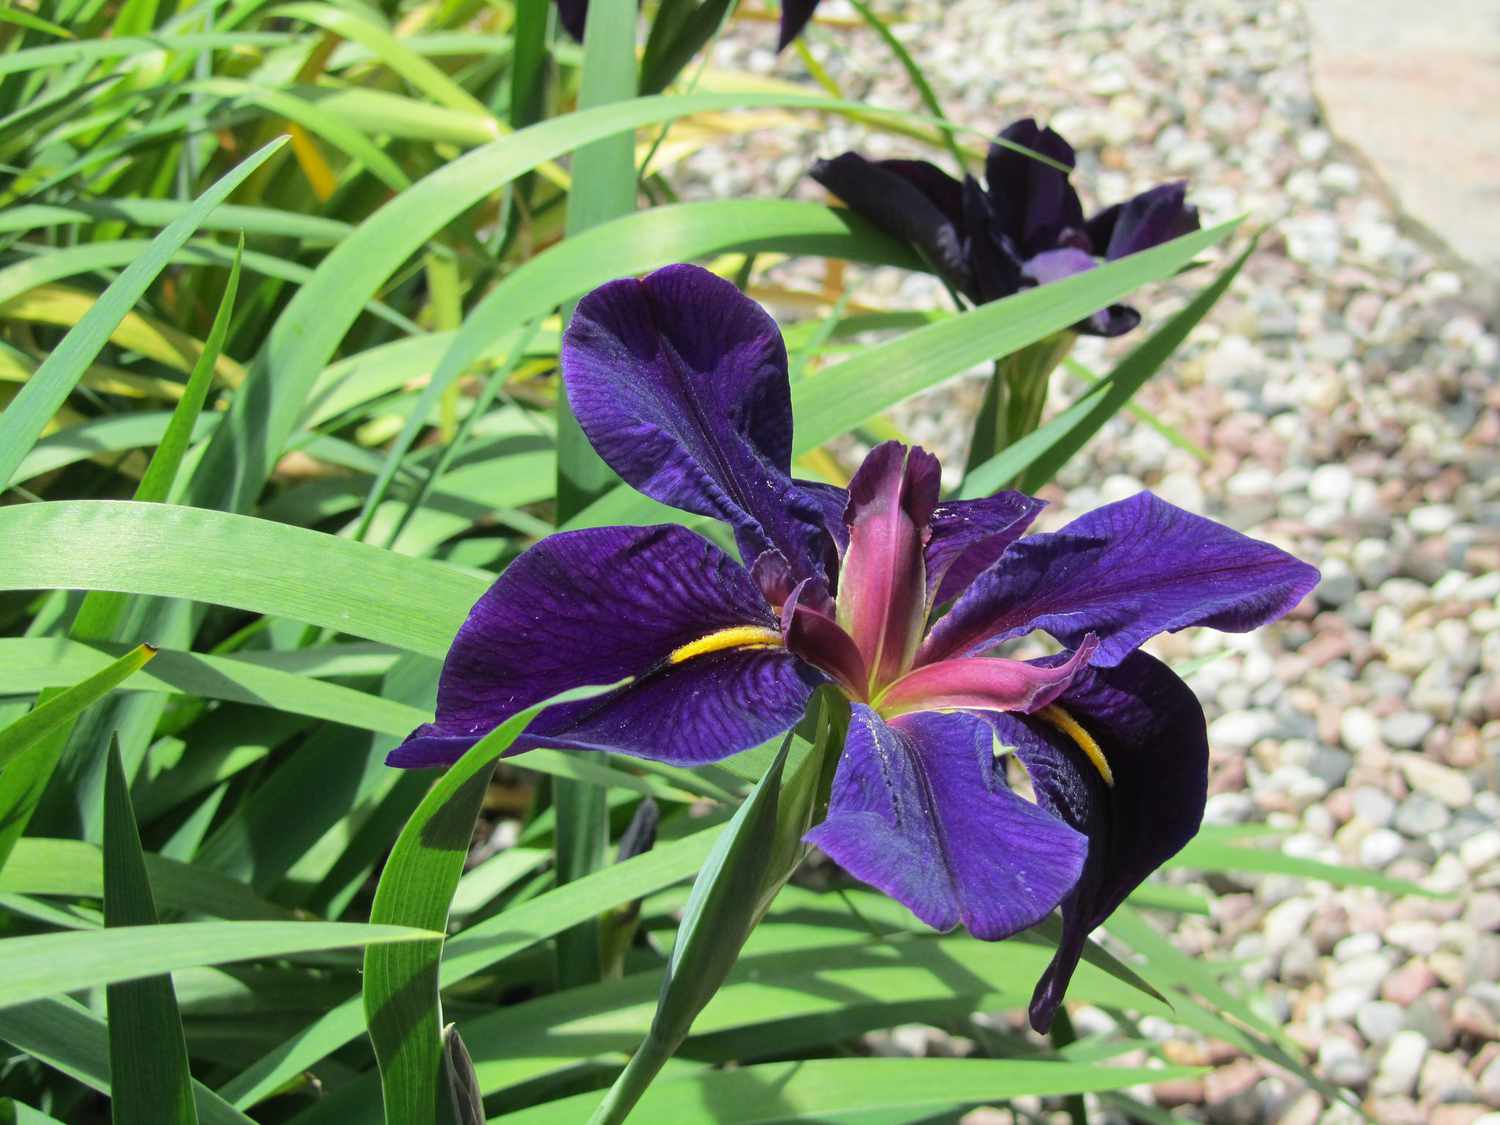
(1400, 1064)
(1441, 782)
(1379, 1021)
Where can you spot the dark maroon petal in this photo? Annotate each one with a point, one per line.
(1033, 201)
(920, 811)
(795, 15)
(573, 15)
(1150, 729)
(909, 200)
(600, 605)
(985, 683)
(1113, 321)
(1126, 571)
(968, 535)
(680, 382)
(994, 261)
(882, 599)
(1148, 220)
(811, 632)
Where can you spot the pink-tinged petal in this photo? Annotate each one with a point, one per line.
(1150, 731)
(988, 683)
(680, 383)
(968, 535)
(920, 810)
(1126, 571)
(882, 600)
(600, 605)
(811, 632)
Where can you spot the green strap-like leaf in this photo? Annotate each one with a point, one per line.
(62, 708)
(49, 387)
(238, 561)
(488, 943)
(66, 1036)
(52, 964)
(147, 1052)
(416, 889)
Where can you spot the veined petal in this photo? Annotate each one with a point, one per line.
(607, 603)
(680, 383)
(920, 811)
(1126, 571)
(968, 535)
(1148, 220)
(908, 199)
(1150, 730)
(988, 683)
(882, 599)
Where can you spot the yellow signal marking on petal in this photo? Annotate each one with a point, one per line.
(736, 636)
(1069, 726)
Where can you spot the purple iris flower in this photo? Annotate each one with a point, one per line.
(795, 14)
(886, 590)
(1025, 227)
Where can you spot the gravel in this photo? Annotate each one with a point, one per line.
(1347, 394)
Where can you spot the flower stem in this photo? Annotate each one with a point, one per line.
(643, 1066)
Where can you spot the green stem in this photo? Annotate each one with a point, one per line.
(1062, 1035)
(643, 1066)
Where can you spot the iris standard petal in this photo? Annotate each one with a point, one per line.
(1034, 202)
(680, 383)
(968, 535)
(603, 604)
(1126, 571)
(910, 200)
(994, 262)
(1151, 218)
(1149, 729)
(920, 811)
(882, 596)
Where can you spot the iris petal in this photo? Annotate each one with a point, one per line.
(600, 605)
(910, 200)
(984, 682)
(680, 383)
(1126, 571)
(920, 811)
(1033, 201)
(1151, 732)
(1151, 218)
(968, 535)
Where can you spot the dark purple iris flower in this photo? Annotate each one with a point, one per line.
(680, 382)
(795, 14)
(1024, 228)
